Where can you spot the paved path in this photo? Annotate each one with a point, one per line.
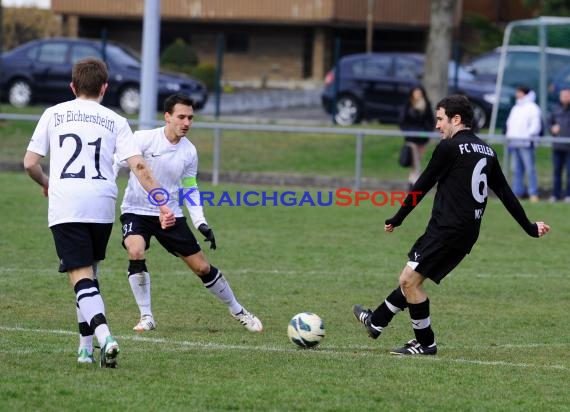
(295, 107)
(290, 107)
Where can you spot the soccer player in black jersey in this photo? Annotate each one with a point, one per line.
(464, 168)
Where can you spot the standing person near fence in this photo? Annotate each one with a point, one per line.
(560, 126)
(416, 115)
(464, 168)
(82, 136)
(174, 160)
(523, 127)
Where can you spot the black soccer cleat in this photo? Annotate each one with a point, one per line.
(413, 347)
(364, 316)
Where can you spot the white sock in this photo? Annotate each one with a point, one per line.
(87, 340)
(84, 341)
(102, 331)
(90, 304)
(140, 285)
(221, 289)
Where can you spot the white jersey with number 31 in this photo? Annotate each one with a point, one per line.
(81, 137)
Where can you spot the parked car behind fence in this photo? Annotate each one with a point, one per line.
(561, 80)
(522, 65)
(373, 86)
(40, 72)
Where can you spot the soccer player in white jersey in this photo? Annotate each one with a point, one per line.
(174, 161)
(82, 137)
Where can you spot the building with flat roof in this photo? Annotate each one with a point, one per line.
(271, 42)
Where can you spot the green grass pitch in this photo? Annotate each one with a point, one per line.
(500, 318)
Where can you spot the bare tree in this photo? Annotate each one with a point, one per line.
(22, 24)
(438, 50)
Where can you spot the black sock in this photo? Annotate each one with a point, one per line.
(419, 314)
(210, 277)
(394, 303)
(137, 266)
(90, 302)
(85, 329)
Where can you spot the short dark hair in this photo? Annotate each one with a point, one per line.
(523, 88)
(176, 98)
(88, 76)
(457, 104)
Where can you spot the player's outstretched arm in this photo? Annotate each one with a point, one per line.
(391, 224)
(436, 167)
(144, 175)
(498, 183)
(543, 228)
(208, 234)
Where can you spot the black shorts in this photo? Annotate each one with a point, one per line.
(178, 239)
(80, 244)
(435, 259)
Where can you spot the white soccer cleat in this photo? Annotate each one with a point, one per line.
(84, 355)
(249, 321)
(145, 324)
(109, 353)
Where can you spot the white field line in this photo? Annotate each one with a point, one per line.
(281, 272)
(367, 351)
(7, 270)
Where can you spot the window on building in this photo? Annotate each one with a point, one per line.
(308, 55)
(237, 43)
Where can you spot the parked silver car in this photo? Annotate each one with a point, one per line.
(522, 65)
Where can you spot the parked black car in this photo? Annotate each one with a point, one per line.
(373, 86)
(40, 71)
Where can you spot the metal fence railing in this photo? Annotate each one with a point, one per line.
(359, 135)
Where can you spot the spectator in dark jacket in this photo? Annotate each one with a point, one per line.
(416, 115)
(560, 126)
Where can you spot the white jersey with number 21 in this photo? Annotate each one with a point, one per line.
(81, 137)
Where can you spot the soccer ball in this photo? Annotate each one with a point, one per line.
(306, 330)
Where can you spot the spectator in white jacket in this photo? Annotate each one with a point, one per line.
(524, 126)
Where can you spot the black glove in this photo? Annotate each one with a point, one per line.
(393, 221)
(208, 234)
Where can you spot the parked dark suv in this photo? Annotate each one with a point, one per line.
(40, 71)
(375, 86)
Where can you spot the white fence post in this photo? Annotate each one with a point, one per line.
(358, 162)
(216, 161)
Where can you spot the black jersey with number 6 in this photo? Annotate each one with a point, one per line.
(464, 168)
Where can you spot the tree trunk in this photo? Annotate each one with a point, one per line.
(438, 51)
